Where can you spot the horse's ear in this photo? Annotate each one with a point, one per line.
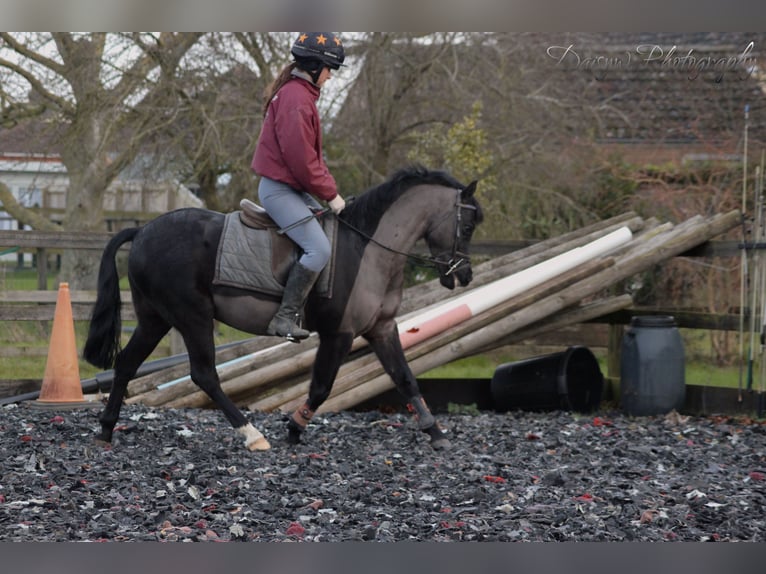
(469, 190)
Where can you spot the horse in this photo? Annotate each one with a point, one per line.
(171, 270)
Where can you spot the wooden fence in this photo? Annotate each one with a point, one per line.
(538, 312)
(39, 305)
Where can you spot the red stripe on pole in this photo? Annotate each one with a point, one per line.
(434, 326)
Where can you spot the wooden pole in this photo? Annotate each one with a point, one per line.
(150, 382)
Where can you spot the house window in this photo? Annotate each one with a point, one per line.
(29, 196)
(6, 221)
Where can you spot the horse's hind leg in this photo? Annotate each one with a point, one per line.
(388, 349)
(150, 330)
(201, 348)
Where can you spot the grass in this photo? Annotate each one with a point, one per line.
(35, 337)
(24, 279)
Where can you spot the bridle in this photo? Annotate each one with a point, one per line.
(456, 258)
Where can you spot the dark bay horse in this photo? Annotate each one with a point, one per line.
(171, 268)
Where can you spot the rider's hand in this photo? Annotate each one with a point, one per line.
(337, 204)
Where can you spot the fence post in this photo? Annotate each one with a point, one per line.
(42, 269)
(614, 349)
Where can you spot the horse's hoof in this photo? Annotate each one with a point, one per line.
(98, 441)
(293, 437)
(294, 432)
(441, 444)
(439, 440)
(259, 444)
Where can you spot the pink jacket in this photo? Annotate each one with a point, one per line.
(290, 144)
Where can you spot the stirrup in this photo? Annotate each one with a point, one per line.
(293, 333)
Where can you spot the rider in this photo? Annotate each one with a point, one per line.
(293, 172)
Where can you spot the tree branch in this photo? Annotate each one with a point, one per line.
(22, 49)
(255, 51)
(37, 86)
(23, 214)
(170, 48)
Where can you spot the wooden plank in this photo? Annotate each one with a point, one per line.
(712, 248)
(53, 239)
(80, 312)
(34, 239)
(75, 296)
(684, 319)
(497, 248)
(148, 382)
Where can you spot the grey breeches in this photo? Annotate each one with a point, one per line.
(286, 206)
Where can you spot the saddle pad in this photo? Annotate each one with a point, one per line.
(245, 254)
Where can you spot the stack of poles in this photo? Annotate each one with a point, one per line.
(253, 367)
(535, 307)
(277, 378)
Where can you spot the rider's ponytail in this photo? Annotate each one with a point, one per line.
(273, 87)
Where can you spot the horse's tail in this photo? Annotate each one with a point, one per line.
(103, 342)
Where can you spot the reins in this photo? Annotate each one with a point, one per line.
(430, 261)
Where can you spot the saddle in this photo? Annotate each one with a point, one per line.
(254, 255)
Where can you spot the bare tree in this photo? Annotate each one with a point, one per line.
(108, 93)
(213, 138)
(391, 99)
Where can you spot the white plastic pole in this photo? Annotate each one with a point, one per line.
(455, 311)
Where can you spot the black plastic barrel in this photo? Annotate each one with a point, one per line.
(652, 378)
(569, 380)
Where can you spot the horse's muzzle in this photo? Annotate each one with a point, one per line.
(460, 270)
(465, 275)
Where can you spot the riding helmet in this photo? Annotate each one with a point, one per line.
(323, 47)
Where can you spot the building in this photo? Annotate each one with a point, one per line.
(37, 178)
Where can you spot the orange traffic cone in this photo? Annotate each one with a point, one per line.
(61, 384)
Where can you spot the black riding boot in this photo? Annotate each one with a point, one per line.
(286, 322)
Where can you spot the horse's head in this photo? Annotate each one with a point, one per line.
(449, 239)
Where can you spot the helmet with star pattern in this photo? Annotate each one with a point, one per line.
(325, 47)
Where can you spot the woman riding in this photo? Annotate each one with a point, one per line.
(293, 172)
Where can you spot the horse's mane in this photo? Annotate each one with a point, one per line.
(368, 208)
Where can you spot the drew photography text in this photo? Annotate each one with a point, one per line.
(691, 61)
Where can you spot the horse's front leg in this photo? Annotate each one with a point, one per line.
(332, 350)
(388, 349)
